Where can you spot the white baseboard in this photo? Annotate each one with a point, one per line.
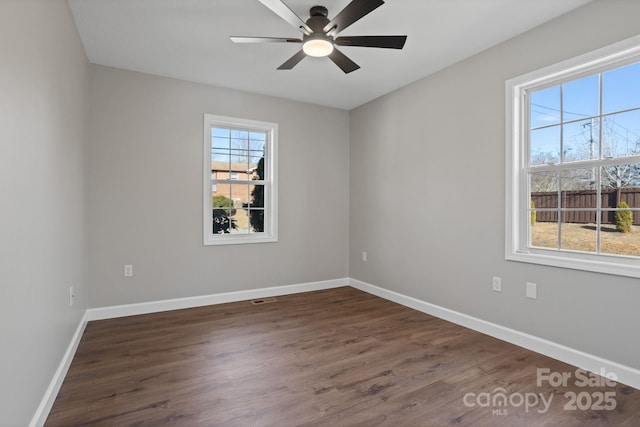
(200, 301)
(50, 395)
(625, 374)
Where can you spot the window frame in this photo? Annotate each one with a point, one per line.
(516, 149)
(270, 233)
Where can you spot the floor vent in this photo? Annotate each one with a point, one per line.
(263, 301)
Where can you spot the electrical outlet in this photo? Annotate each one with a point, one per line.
(497, 284)
(71, 296)
(364, 256)
(128, 270)
(532, 290)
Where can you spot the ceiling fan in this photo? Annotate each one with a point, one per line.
(319, 33)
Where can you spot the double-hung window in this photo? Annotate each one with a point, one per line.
(573, 163)
(239, 191)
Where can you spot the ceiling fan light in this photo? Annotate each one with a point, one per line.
(317, 47)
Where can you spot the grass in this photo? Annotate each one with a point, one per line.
(582, 237)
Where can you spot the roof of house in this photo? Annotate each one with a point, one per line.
(233, 167)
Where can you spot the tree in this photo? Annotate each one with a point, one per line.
(256, 216)
(619, 176)
(618, 141)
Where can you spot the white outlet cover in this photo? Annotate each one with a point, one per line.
(128, 270)
(497, 284)
(532, 290)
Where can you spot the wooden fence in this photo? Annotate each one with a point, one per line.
(586, 199)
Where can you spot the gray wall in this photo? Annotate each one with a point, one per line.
(43, 91)
(145, 202)
(414, 151)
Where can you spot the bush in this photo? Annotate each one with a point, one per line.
(220, 201)
(624, 219)
(534, 218)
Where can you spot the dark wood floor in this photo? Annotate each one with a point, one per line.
(339, 357)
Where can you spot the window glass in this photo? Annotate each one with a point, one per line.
(621, 88)
(545, 107)
(581, 98)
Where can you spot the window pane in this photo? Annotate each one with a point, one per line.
(578, 231)
(243, 196)
(620, 176)
(578, 188)
(220, 132)
(615, 242)
(545, 107)
(241, 221)
(580, 141)
(581, 98)
(239, 139)
(220, 143)
(239, 194)
(621, 134)
(221, 158)
(222, 222)
(220, 138)
(544, 191)
(221, 199)
(545, 146)
(628, 192)
(544, 233)
(620, 235)
(256, 219)
(257, 140)
(240, 160)
(256, 196)
(621, 88)
(257, 169)
(579, 217)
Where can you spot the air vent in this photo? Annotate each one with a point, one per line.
(263, 301)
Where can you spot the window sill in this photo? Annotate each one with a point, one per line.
(231, 239)
(578, 261)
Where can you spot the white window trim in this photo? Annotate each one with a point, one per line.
(516, 215)
(271, 183)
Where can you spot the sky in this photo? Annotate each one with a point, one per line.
(565, 120)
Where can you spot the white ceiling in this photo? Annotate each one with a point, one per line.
(189, 40)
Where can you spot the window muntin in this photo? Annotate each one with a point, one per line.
(573, 145)
(239, 189)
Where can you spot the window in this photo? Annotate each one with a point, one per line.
(239, 194)
(573, 163)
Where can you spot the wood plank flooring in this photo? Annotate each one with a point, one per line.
(339, 357)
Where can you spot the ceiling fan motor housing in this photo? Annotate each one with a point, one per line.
(318, 18)
(317, 21)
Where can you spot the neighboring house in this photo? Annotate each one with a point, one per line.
(223, 173)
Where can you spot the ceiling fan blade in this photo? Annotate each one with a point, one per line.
(293, 61)
(284, 12)
(243, 39)
(350, 14)
(388, 42)
(341, 60)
